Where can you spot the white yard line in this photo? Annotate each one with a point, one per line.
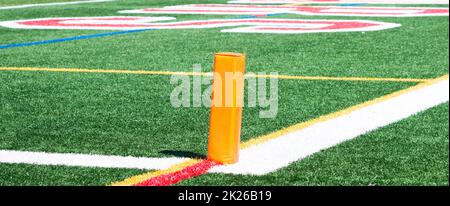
(86, 160)
(53, 4)
(277, 153)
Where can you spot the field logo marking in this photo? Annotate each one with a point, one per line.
(339, 1)
(258, 25)
(301, 10)
(53, 4)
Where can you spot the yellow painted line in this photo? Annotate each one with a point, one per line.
(139, 178)
(108, 71)
(142, 177)
(295, 4)
(324, 78)
(147, 72)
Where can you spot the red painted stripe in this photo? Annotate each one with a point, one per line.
(175, 177)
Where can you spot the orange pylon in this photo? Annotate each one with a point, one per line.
(226, 111)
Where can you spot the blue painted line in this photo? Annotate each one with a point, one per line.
(353, 4)
(245, 17)
(75, 38)
(275, 14)
(253, 16)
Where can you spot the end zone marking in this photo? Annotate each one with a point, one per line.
(148, 72)
(53, 4)
(239, 25)
(285, 146)
(237, 9)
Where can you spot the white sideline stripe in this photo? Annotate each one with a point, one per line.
(52, 4)
(85, 160)
(277, 153)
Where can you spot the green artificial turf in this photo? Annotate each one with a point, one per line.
(123, 114)
(413, 151)
(21, 2)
